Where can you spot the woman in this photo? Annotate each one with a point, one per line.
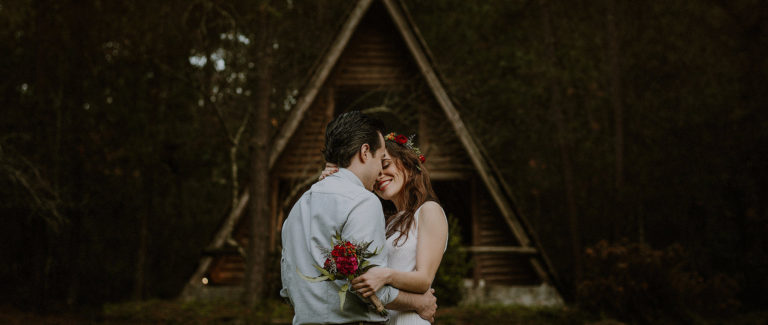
(416, 235)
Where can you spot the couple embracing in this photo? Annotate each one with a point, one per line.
(410, 243)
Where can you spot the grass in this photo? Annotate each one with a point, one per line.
(278, 312)
(491, 314)
(274, 312)
(175, 312)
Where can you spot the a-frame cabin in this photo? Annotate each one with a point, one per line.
(380, 63)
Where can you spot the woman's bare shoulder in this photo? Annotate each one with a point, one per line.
(431, 211)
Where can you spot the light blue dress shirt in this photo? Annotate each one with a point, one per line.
(340, 201)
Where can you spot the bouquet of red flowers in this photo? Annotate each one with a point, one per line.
(345, 261)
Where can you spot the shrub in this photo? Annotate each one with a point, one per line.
(449, 280)
(632, 281)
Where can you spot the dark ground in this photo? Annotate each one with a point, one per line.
(170, 312)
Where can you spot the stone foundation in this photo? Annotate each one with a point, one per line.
(538, 295)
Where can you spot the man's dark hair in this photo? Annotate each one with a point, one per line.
(347, 133)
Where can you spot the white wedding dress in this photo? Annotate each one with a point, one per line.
(403, 258)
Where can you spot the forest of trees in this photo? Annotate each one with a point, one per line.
(631, 127)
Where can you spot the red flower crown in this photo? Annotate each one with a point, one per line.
(407, 142)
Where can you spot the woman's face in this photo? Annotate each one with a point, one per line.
(391, 180)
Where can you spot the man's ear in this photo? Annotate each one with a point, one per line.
(365, 153)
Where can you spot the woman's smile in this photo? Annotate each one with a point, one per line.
(383, 184)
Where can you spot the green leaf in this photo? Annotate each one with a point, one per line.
(343, 294)
(363, 247)
(364, 269)
(365, 263)
(322, 270)
(315, 279)
(338, 236)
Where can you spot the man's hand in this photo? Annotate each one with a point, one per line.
(427, 306)
(423, 304)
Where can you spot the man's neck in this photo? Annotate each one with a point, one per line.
(358, 171)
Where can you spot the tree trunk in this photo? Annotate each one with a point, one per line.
(76, 238)
(74, 256)
(557, 110)
(141, 254)
(70, 134)
(148, 185)
(614, 70)
(141, 258)
(258, 232)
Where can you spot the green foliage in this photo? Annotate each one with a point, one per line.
(107, 129)
(498, 314)
(449, 280)
(694, 121)
(512, 315)
(112, 150)
(174, 312)
(273, 312)
(632, 281)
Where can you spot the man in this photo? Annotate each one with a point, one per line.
(342, 201)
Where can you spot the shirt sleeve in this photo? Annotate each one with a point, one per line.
(284, 278)
(365, 223)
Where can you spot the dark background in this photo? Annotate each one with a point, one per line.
(633, 133)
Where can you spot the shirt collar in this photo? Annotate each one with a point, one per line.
(349, 176)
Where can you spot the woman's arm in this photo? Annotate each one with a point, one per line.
(433, 233)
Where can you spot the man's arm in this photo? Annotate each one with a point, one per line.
(424, 304)
(365, 222)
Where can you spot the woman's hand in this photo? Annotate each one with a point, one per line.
(328, 171)
(371, 281)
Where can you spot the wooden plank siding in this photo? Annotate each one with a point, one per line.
(375, 56)
(492, 231)
(498, 267)
(505, 269)
(442, 147)
(228, 270)
(303, 155)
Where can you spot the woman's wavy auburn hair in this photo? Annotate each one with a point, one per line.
(417, 189)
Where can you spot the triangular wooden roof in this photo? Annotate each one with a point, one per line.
(423, 58)
(417, 47)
